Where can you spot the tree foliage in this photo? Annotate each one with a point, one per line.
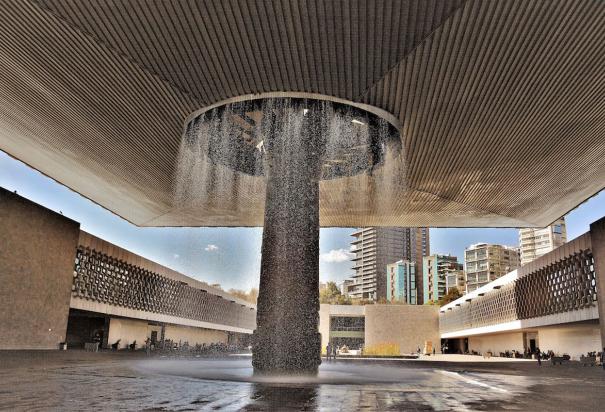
(331, 295)
(450, 296)
(249, 296)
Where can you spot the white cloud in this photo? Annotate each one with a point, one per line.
(336, 256)
(176, 256)
(211, 248)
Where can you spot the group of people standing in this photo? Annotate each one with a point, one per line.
(331, 351)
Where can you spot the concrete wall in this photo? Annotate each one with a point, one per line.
(37, 252)
(128, 331)
(325, 311)
(194, 335)
(496, 343)
(407, 325)
(597, 236)
(574, 340)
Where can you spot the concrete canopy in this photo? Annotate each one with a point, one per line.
(500, 103)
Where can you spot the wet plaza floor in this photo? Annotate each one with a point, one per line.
(110, 382)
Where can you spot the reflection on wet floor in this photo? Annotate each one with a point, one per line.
(286, 397)
(156, 385)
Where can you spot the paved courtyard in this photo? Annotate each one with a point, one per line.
(77, 380)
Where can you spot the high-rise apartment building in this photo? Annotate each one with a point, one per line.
(401, 282)
(455, 280)
(435, 272)
(484, 262)
(537, 242)
(375, 248)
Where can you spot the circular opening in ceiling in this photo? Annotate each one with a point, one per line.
(245, 134)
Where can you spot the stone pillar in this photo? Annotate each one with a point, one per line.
(597, 240)
(286, 339)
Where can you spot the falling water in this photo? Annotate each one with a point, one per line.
(289, 148)
(223, 154)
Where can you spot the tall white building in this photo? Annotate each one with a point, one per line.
(537, 242)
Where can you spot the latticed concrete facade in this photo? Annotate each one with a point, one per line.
(569, 284)
(82, 288)
(105, 279)
(561, 281)
(108, 276)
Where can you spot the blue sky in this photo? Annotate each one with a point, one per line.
(231, 256)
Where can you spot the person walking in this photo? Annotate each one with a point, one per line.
(328, 351)
(539, 356)
(334, 351)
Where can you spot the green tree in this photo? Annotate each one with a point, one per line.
(331, 295)
(450, 296)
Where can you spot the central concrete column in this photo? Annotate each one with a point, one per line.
(597, 240)
(286, 339)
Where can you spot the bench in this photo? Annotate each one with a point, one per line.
(558, 359)
(588, 360)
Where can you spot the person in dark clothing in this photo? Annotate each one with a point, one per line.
(539, 356)
(328, 351)
(603, 358)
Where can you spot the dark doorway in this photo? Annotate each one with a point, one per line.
(83, 327)
(455, 345)
(154, 337)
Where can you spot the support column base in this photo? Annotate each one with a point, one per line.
(298, 355)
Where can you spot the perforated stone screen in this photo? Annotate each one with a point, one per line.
(564, 284)
(105, 279)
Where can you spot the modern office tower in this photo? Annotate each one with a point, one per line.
(435, 271)
(537, 242)
(375, 248)
(401, 282)
(484, 262)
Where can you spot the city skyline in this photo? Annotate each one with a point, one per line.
(231, 256)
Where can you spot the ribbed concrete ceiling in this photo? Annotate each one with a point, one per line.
(501, 102)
